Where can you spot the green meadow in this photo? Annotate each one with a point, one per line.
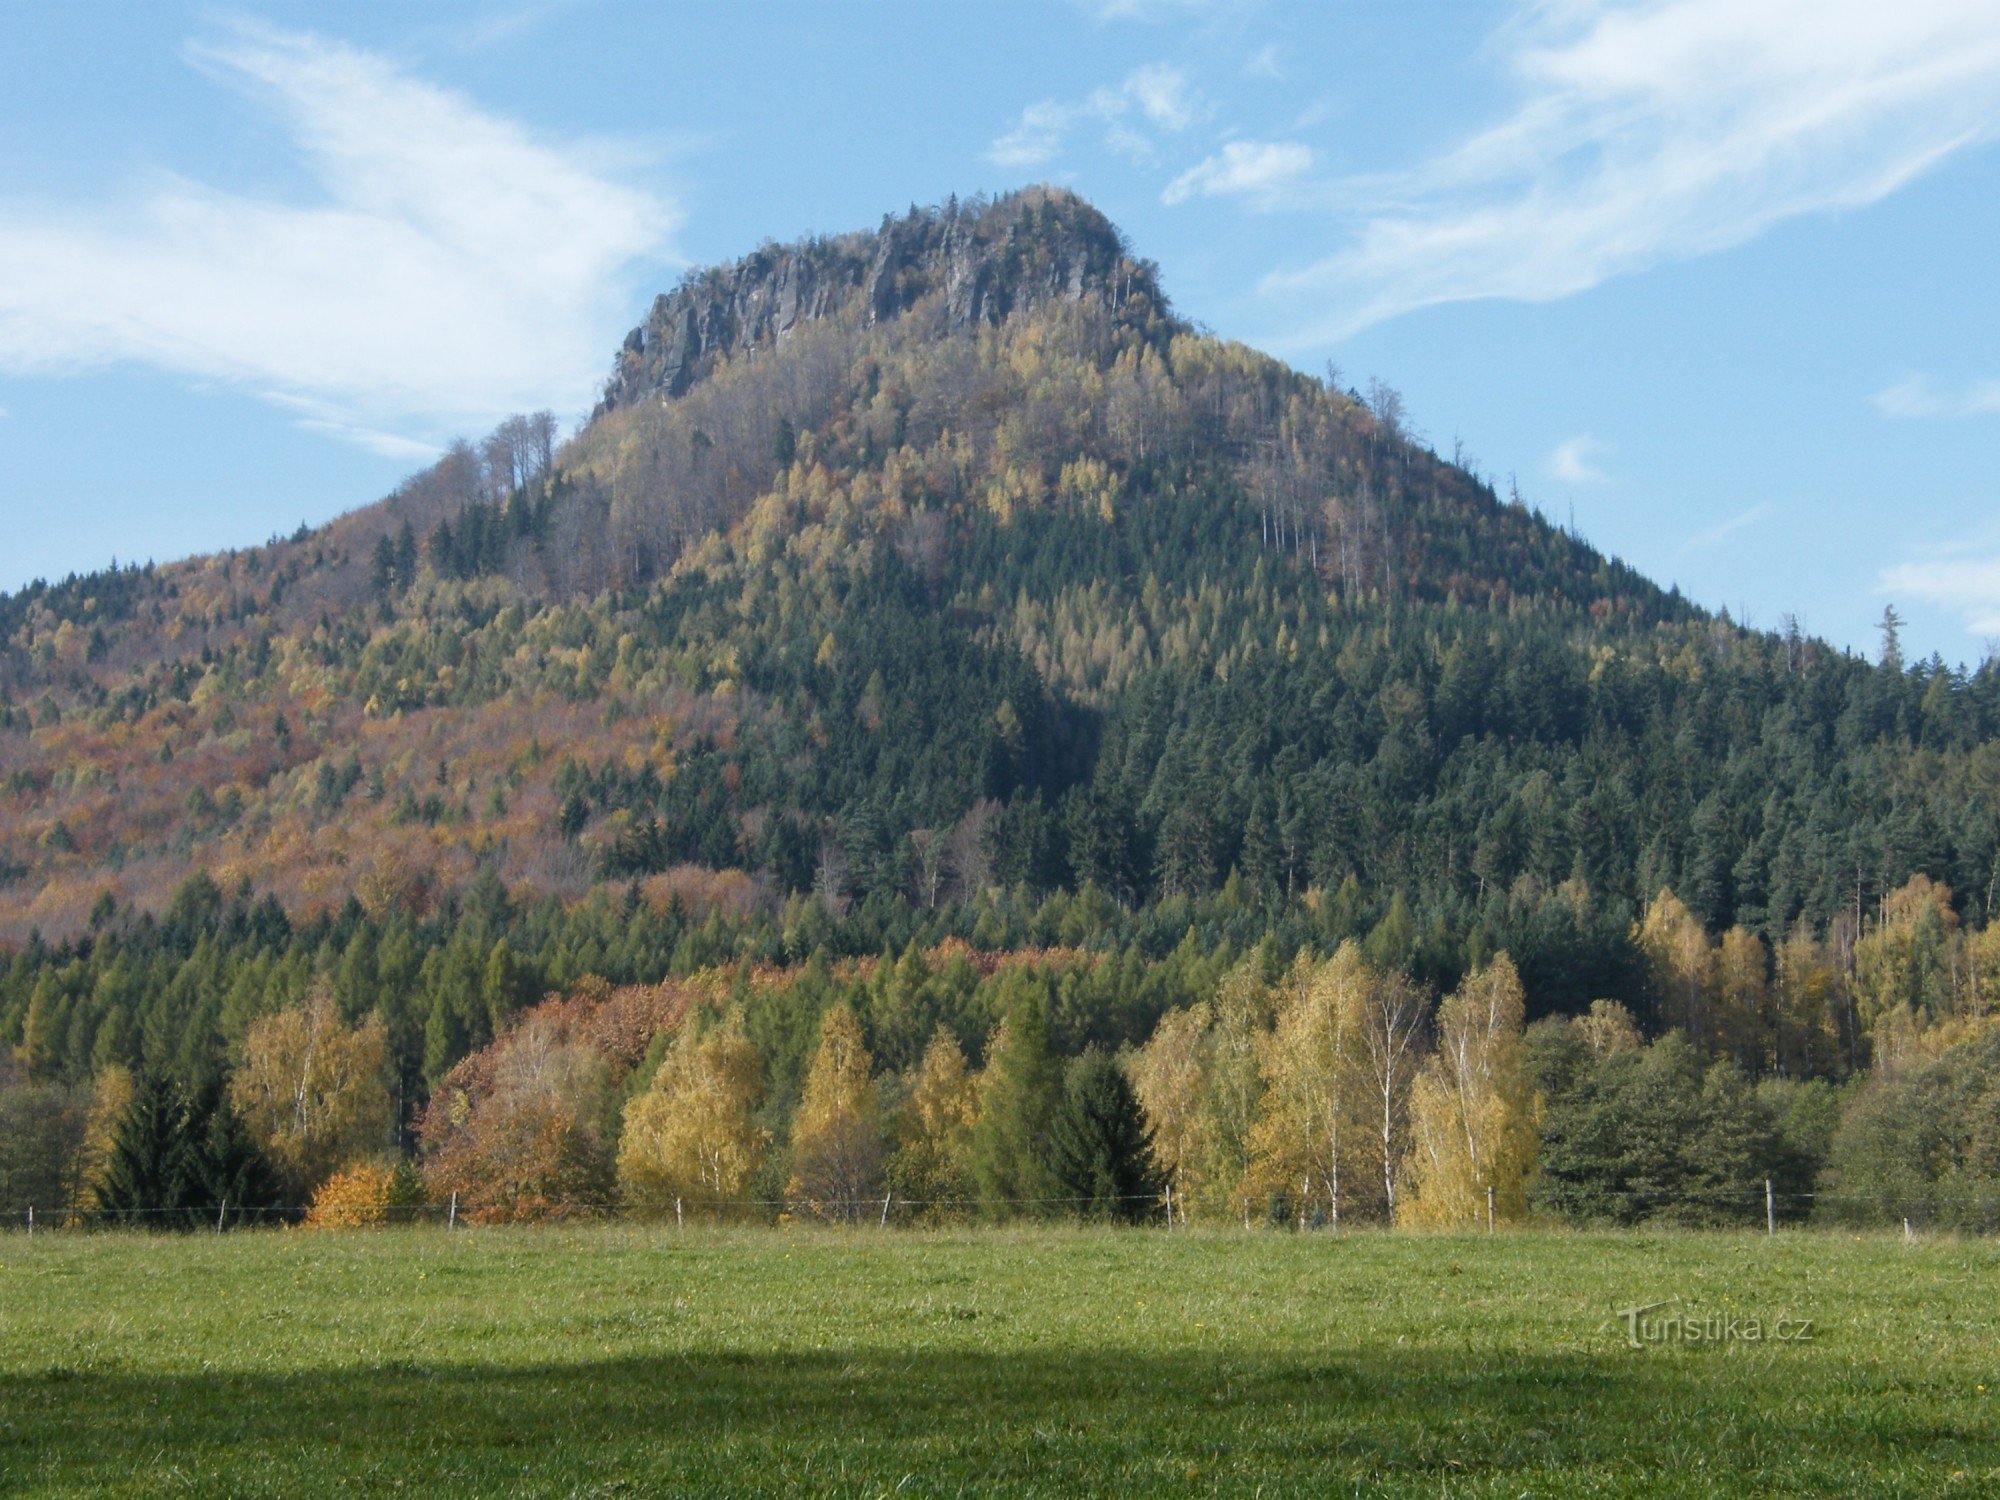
(618, 1359)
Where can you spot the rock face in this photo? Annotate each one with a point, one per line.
(973, 263)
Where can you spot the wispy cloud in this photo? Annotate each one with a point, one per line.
(1574, 460)
(454, 269)
(1258, 171)
(1154, 10)
(1268, 61)
(1715, 536)
(1154, 99)
(1967, 586)
(1920, 396)
(1646, 133)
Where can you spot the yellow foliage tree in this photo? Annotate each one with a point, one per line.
(837, 1145)
(934, 1130)
(313, 1092)
(1743, 1021)
(1170, 1076)
(1982, 971)
(1312, 1143)
(1608, 1027)
(1809, 1003)
(1472, 1112)
(1908, 961)
(366, 1194)
(1681, 964)
(690, 1138)
(111, 1095)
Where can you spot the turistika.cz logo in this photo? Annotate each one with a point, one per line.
(1672, 1322)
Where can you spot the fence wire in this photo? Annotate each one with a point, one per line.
(1587, 1206)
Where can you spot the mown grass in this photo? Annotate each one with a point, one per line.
(628, 1360)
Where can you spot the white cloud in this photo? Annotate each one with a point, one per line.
(1150, 10)
(1268, 61)
(1968, 586)
(1573, 461)
(1157, 96)
(455, 268)
(1715, 536)
(1162, 94)
(1256, 170)
(1919, 396)
(1645, 133)
(1037, 137)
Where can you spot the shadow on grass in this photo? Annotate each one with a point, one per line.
(866, 1421)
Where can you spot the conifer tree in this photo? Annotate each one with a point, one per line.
(153, 1172)
(1100, 1152)
(231, 1172)
(1018, 1097)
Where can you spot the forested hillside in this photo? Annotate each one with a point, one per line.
(937, 587)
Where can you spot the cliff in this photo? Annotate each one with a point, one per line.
(963, 264)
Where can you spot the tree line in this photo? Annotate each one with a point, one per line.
(1299, 1089)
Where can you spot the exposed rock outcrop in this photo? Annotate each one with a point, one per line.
(970, 263)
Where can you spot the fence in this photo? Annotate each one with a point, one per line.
(1633, 1209)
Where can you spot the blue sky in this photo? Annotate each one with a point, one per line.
(1712, 278)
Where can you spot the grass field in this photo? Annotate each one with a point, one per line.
(621, 1360)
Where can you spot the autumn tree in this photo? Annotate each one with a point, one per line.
(1608, 1027)
(1743, 1020)
(1170, 1078)
(1393, 1015)
(1680, 964)
(367, 1193)
(1905, 963)
(522, 1130)
(1807, 1005)
(44, 1133)
(930, 1167)
(837, 1139)
(691, 1138)
(314, 1092)
(1472, 1110)
(1313, 1143)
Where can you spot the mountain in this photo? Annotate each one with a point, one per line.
(932, 582)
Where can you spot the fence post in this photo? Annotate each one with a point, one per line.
(885, 1206)
(451, 1214)
(31, 1221)
(678, 1224)
(1770, 1209)
(220, 1214)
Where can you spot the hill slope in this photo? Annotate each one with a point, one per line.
(910, 569)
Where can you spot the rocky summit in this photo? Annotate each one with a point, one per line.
(964, 263)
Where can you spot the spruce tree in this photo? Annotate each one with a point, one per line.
(153, 1174)
(1100, 1149)
(231, 1173)
(1019, 1095)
